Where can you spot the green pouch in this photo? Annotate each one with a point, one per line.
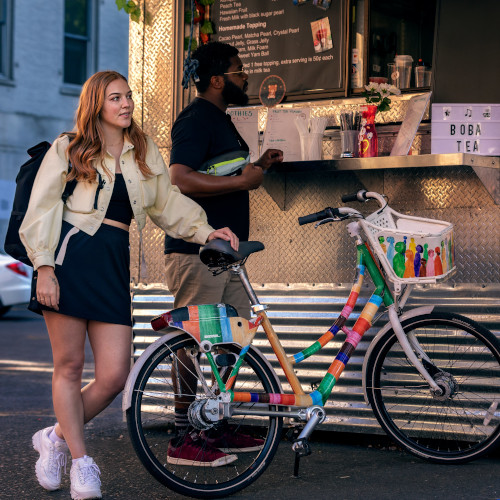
(226, 164)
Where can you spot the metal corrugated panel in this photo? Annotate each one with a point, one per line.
(300, 313)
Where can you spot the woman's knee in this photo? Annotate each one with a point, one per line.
(114, 382)
(69, 369)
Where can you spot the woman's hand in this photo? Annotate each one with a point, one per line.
(47, 288)
(225, 234)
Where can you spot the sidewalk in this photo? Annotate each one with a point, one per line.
(334, 470)
(341, 467)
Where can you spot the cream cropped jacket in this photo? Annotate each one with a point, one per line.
(168, 208)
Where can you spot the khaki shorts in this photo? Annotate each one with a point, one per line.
(191, 282)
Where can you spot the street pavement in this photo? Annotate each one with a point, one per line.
(342, 466)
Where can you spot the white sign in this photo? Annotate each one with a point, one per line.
(246, 122)
(281, 131)
(414, 113)
(466, 128)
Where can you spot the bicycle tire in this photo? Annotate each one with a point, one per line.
(150, 421)
(454, 429)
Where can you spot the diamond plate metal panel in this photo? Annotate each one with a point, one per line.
(301, 254)
(297, 254)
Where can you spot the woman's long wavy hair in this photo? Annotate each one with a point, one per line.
(87, 143)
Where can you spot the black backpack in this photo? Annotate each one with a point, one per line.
(24, 184)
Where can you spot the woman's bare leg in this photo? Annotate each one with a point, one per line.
(73, 405)
(111, 345)
(67, 338)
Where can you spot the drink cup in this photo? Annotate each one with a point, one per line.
(348, 143)
(403, 68)
(422, 76)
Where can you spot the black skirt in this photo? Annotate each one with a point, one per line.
(94, 274)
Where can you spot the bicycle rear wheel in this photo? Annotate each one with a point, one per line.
(151, 420)
(459, 426)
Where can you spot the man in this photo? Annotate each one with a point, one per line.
(203, 137)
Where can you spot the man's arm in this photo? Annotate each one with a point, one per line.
(193, 183)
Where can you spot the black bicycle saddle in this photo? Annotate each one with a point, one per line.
(218, 252)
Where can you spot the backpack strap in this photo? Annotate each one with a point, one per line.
(70, 186)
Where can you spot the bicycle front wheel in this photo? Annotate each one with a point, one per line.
(151, 419)
(464, 422)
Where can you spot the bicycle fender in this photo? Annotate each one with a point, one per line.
(127, 391)
(418, 311)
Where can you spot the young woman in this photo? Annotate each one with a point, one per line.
(80, 250)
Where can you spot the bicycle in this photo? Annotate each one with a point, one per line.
(445, 412)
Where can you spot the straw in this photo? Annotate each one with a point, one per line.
(318, 124)
(302, 126)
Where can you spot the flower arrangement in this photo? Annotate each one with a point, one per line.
(378, 94)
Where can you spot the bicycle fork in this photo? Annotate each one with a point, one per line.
(410, 346)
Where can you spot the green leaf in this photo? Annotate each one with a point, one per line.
(207, 28)
(194, 44)
(135, 15)
(384, 106)
(121, 4)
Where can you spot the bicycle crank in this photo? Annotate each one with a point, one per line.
(314, 415)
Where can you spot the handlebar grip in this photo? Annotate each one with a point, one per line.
(307, 219)
(357, 196)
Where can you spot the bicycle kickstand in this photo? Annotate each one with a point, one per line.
(314, 415)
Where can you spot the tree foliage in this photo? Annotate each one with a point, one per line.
(130, 7)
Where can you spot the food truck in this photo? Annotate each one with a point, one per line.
(438, 154)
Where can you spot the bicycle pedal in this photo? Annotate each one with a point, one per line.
(301, 447)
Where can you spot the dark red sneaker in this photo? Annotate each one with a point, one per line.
(230, 441)
(196, 452)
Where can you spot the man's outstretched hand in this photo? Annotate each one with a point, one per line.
(269, 157)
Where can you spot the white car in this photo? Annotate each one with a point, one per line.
(15, 283)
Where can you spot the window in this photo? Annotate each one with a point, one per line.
(79, 40)
(382, 29)
(5, 39)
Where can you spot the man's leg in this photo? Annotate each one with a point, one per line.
(191, 283)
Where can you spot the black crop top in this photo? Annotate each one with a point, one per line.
(119, 208)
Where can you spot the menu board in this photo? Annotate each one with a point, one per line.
(303, 44)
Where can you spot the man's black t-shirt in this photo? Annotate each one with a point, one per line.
(201, 132)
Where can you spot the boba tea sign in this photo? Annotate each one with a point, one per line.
(466, 128)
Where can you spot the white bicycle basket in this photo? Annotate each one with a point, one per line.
(411, 249)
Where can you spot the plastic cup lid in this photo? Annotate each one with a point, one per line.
(403, 58)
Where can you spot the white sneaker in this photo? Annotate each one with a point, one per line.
(53, 457)
(85, 482)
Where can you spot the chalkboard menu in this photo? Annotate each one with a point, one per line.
(303, 44)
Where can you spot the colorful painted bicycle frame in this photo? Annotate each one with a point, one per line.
(215, 324)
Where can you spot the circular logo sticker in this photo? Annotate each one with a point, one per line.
(272, 91)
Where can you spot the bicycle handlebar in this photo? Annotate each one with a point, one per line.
(324, 214)
(337, 213)
(363, 195)
(358, 196)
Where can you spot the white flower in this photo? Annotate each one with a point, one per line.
(394, 90)
(372, 87)
(385, 88)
